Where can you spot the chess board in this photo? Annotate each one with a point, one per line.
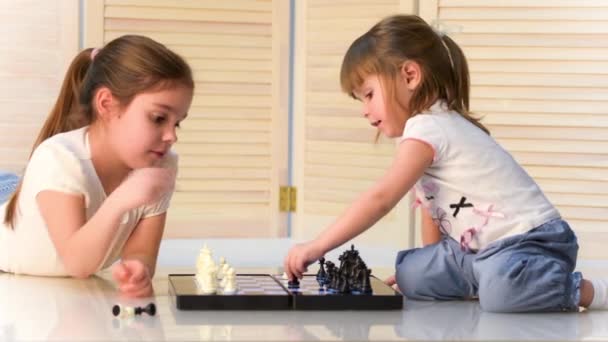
(270, 292)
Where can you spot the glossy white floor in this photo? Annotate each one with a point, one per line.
(34, 308)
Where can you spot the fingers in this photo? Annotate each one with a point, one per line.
(129, 287)
(139, 286)
(298, 266)
(287, 268)
(292, 267)
(120, 272)
(390, 280)
(137, 291)
(139, 272)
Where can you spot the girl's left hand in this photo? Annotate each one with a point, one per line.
(133, 278)
(392, 282)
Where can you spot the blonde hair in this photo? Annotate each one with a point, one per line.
(387, 45)
(127, 65)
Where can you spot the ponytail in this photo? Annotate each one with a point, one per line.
(457, 96)
(66, 115)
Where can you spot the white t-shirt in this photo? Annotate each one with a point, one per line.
(62, 163)
(474, 188)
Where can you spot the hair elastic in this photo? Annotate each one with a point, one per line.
(94, 53)
(442, 30)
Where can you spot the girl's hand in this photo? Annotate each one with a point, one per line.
(392, 282)
(133, 278)
(145, 186)
(299, 257)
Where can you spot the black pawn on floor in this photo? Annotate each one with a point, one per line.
(118, 310)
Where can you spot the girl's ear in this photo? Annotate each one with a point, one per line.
(411, 74)
(105, 103)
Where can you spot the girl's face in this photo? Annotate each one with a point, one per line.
(147, 128)
(390, 120)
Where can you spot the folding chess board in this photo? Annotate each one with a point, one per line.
(270, 292)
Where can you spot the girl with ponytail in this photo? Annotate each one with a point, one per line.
(101, 173)
(489, 232)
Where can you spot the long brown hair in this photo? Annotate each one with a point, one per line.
(127, 65)
(387, 45)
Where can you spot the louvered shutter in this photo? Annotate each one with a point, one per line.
(230, 147)
(36, 47)
(335, 155)
(538, 75)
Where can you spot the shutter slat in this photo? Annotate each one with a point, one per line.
(241, 5)
(522, 3)
(132, 12)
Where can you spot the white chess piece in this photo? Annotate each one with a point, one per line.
(225, 269)
(207, 282)
(205, 261)
(126, 311)
(230, 282)
(206, 271)
(221, 268)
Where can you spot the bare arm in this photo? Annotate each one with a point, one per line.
(144, 242)
(81, 244)
(430, 231)
(413, 157)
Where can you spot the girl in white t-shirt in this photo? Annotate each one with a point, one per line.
(101, 174)
(489, 231)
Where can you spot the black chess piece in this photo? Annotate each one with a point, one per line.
(366, 286)
(343, 286)
(331, 273)
(125, 311)
(293, 283)
(321, 274)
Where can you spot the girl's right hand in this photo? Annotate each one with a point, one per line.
(299, 257)
(145, 186)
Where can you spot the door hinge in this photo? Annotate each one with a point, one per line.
(287, 198)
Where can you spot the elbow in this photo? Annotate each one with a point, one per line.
(79, 273)
(77, 269)
(383, 202)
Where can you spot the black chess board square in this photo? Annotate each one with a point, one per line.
(270, 292)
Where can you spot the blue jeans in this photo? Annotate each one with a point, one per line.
(530, 272)
(8, 183)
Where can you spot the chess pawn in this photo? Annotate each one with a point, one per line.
(222, 269)
(321, 274)
(230, 283)
(127, 311)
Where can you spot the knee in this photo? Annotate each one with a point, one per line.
(410, 283)
(409, 277)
